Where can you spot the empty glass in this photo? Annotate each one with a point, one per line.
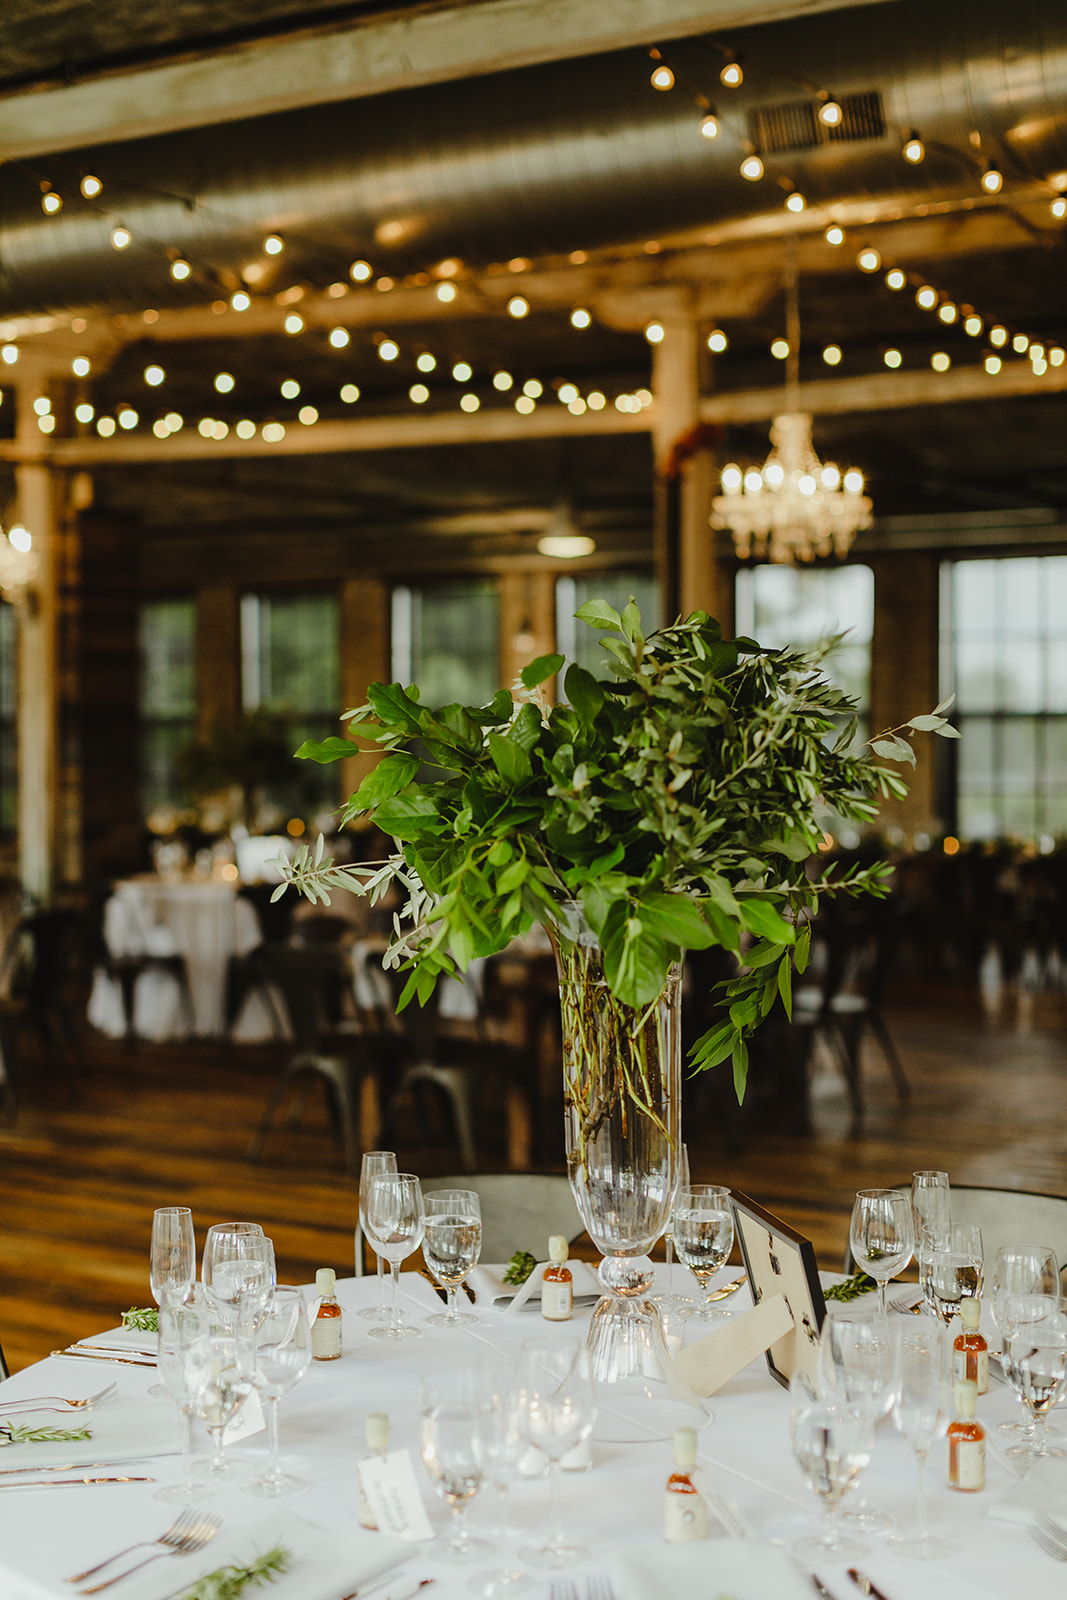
(395, 1223)
(931, 1209)
(505, 1446)
(451, 1247)
(172, 1271)
(882, 1235)
(670, 1303)
(180, 1325)
(703, 1229)
(1035, 1364)
(455, 1420)
(951, 1269)
(218, 1370)
(555, 1379)
(832, 1443)
(374, 1164)
(856, 1368)
(1026, 1290)
(922, 1410)
(281, 1352)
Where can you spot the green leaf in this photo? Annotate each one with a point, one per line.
(408, 816)
(947, 731)
(760, 918)
(391, 775)
(677, 919)
(946, 705)
(584, 693)
(740, 1060)
(802, 950)
(925, 724)
(714, 1046)
(720, 892)
(394, 706)
(893, 750)
(526, 729)
(785, 986)
(540, 670)
(509, 759)
(598, 614)
(725, 931)
(324, 750)
(631, 622)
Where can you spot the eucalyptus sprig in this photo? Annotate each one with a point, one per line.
(10, 1433)
(227, 1583)
(144, 1318)
(675, 798)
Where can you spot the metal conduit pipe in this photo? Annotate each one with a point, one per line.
(574, 155)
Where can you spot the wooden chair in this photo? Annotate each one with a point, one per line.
(520, 1210)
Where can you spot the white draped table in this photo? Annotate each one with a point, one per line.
(615, 1508)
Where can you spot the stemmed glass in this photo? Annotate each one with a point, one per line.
(703, 1228)
(882, 1235)
(238, 1272)
(218, 1370)
(505, 1445)
(558, 1411)
(451, 1247)
(953, 1270)
(1026, 1290)
(281, 1352)
(856, 1369)
(375, 1163)
(395, 1223)
(931, 1209)
(671, 1304)
(1035, 1364)
(173, 1262)
(181, 1323)
(455, 1419)
(922, 1388)
(832, 1443)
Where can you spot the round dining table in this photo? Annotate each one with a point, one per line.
(615, 1508)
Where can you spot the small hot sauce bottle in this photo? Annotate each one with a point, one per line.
(557, 1287)
(685, 1511)
(970, 1353)
(966, 1442)
(326, 1318)
(377, 1433)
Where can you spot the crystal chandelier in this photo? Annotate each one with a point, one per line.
(794, 508)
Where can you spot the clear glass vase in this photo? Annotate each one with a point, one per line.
(622, 1093)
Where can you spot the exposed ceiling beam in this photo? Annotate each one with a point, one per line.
(376, 57)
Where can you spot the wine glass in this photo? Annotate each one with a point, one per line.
(922, 1389)
(882, 1235)
(237, 1272)
(218, 1369)
(672, 1304)
(856, 1369)
(455, 1419)
(555, 1378)
(505, 1446)
(703, 1228)
(281, 1352)
(931, 1209)
(953, 1268)
(374, 1164)
(832, 1444)
(1034, 1359)
(172, 1271)
(451, 1247)
(180, 1324)
(1026, 1289)
(395, 1223)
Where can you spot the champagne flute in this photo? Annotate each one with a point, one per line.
(172, 1271)
(505, 1445)
(281, 1352)
(856, 1369)
(454, 1411)
(451, 1247)
(703, 1228)
(882, 1235)
(931, 1209)
(395, 1223)
(217, 1372)
(954, 1270)
(558, 1412)
(1035, 1364)
(1026, 1289)
(832, 1443)
(180, 1324)
(374, 1164)
(671, 1304)
(922, 1389)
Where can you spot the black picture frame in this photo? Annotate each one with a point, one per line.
(778, 1260)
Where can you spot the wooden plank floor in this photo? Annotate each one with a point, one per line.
(169, 1125)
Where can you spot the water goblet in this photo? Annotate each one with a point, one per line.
(395, 1223)
(703, 1228)
(1034, 1359)
(922, 1390)
(1026, 1289)
(882, 1235)
(281, 1352)
(856, 1368)
(172, 1271)
(931, 1209)
(217, 1372)
(669, 1303)
(832, 1443)
(953, 1269)
(451, 1247)
(237, 1272)
(555, 1379)
(180, 1324)
(373, 1164)
(454, 1414)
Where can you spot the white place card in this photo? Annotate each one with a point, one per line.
(249, 1420)
(393, 1494)
(715, 1359)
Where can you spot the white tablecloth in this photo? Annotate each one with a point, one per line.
(615, 1508)
(202, 920)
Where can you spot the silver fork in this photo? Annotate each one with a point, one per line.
(562, 1589)
(599, 1588)
(183, 1527)
(37, 1402)
(1051, 1537)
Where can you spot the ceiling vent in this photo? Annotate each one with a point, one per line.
(777, 130)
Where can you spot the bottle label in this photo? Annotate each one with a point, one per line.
(326, 1338)
(967, 1464)
(557, 1300)
(685, 1516)
(972, 1364)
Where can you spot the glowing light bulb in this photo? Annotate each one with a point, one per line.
(972, 325)
(868, 260)
(993, 365)
(731, 75)
(360, 271)
(752, 168)
(717, 341)
(446, 293)
(350, 393)
(732, 478)
(81, 366)
(469, 402)
(502, 381)
(834, 234)
(926, 297)
(662, 77)
(1040, 367)
(51, 202)
(795, 201)
(940, 361)
(9, 354)
(892, 358)
(91, 186)
(992, 180)
(577, 406)
(426, 362)
(854, 481)
(597, 401)
(294, 323)
(654, 332)
(290, 389)
(1036, 352)
(518, 307)
(308, 416)
(121, 238)
(84, 412)
(339, 337)
(780, 349)
(1056, 355)
(1059, 207)
(1020, 344)
(533, 389)
(154, 376)
(461, 371)
(245, 429)
(895, 278)
(224, 382)
(567, 393)
(525, 404)
(105, 427)
(806, 483)
(830, 476)
(774, 474)
(753, 482)
(418, 393)
(42, 405)
(709, 126)
(832, 355)
(998, 336)
(947, 312)
(273, 244)
(831, 114)
(128, 417)
(913, 149)
(174, 422)
(21, 538)
(180, 270)
(580, 318)
(388, 350)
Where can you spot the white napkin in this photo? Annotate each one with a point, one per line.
(1043, 1489)
(707, 1569)
(324, 1565)
(487, 1281)
(123, 1430)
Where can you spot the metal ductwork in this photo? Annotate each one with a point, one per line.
(579, 154)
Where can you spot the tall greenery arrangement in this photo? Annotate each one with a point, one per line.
(675, 798)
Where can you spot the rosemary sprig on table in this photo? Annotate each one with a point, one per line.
(144, 1318)
(520, 1266)
(10, 1433)
(851, 1289)
(230, 1582)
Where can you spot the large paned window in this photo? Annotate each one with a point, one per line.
(9, 788)
(1004, 656)
(291, 667)
(797, 606)
(446, 639)
(167, 696)
(577, 642)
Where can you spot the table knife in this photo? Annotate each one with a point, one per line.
(865, 1586)
(63, 1466)
(727, 1289)
(91, 1355)
(55, 1483)
(442, 1294)
(819, 1586)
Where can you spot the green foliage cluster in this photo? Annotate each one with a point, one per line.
(11, 1433)
(227, 1583)
(675, 798)
(144, 1318)
(850, 1288)
(520, 1266)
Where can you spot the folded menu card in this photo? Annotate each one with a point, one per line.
(488, 1284)
(744, 1569)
